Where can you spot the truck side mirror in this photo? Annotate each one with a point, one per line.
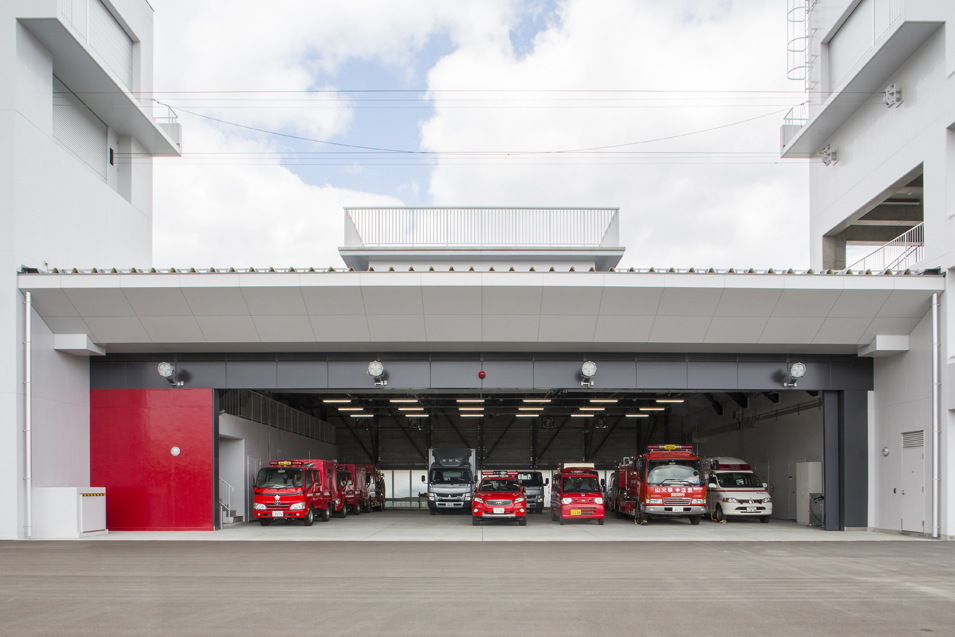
(765, 486)
(422, 478)
(546, 481)
(603, 482)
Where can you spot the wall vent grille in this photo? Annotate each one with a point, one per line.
(913, 439)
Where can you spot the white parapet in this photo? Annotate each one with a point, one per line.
(61, 513)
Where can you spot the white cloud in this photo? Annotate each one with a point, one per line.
(679, 213)
(242, 215)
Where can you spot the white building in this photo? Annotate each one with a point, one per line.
(496, 305)
(880, 120)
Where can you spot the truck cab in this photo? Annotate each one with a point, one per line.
(451, 479)
(734, 490)
(499, 496)
(533, 483)
(667, 482)
(295, 489)
(577, 494)
(375, 487)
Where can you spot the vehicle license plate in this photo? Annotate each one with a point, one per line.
(750, 509)
(276, 514)
(575, 511)
(678, 509)
(499, 509)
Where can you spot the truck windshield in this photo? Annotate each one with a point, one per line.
(580, 484)
(739, 480)
(531, 479)
(674, 471)
(450, 476)
(279, 478)
(500, 485)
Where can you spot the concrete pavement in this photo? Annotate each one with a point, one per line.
(469, 588)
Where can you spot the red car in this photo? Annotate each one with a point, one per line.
(499, 496)
(576, 494)
(295, 489)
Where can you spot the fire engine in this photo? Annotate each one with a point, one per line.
(352, 488)
(499, 496)
(665, 482)
(576, 494)
(296, 489)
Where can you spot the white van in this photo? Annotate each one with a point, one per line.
(733, 490)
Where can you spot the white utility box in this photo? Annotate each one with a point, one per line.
(808, 481)
(61, 513)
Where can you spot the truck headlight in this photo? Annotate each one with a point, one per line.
(477, 499)
(598, 500)
(518, 500)
(298, 506)
(467, 496)
(767, 499)
(565, 500)
(654, 501)
(699, 501)
(258, 506)
(430, 496)
(733, 500)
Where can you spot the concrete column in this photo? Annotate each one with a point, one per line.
(834, 251)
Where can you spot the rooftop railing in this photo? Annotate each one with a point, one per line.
(481, 227)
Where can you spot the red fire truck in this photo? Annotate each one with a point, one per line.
(296, 489)
(499, 496)
(575, 494)
(666, 482)
(353, 480)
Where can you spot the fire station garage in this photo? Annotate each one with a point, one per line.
(530, 369)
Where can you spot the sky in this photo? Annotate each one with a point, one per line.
(669, 111)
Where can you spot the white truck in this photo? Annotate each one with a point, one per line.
(452, 473)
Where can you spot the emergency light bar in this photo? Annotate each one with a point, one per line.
(669, 448)
(499, 473)
(734, 467)
(291, 463)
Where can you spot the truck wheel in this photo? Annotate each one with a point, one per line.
(357, 509)
(310, 518)
(695, 519)
(718, 514)
(344, 511)
(326, 513)
(265, 522)
(600, 521)
(475, 521)
(540, 509)
(561, 514)
(522, 522)
(432, 511)
(764, 519)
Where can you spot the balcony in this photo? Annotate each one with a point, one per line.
(576, 236)
(868, 75)
(902, 253)
(100, 87)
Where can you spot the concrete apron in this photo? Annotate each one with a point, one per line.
(414, 526)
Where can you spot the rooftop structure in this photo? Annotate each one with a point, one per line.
(582, 238)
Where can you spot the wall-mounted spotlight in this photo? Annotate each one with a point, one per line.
(588, 370)
(547, 422)
(377, 371)
(793, 374)
(828, 154)
(168, 371)
(892, 95)
(600, 422)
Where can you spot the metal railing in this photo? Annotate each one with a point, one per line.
(245, 403)
(902, 253)
(795, 119)
(225, 497)
(481, 227)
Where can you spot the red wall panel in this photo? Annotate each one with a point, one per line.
(131, 434)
